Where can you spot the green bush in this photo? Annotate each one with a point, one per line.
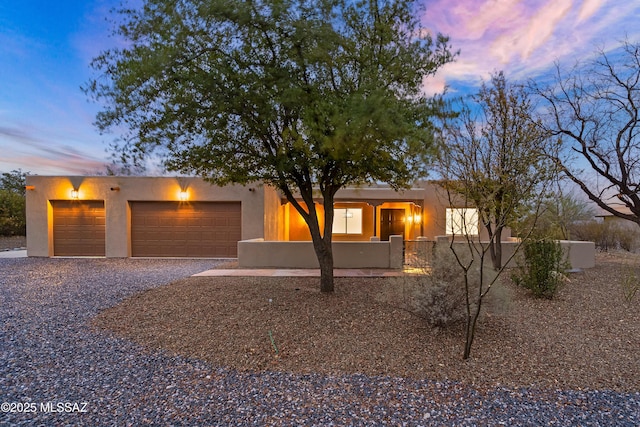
(542, 270)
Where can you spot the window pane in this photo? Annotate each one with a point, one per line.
(339, 222)
(462, 221)
(347, 221)
(354, 221)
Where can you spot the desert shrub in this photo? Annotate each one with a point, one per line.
(439, 294)
(630, 286)
(628, 239)
(608, 235)
(541, 268)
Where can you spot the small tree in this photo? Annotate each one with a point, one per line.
(493, 156)
(559, 216)
(307, 96)
(492, 159)
(473, 259)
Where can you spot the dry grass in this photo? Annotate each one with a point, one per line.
(587, 337)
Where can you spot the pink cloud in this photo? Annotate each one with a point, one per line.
(589, 8)
(525, 37)
(33, 149)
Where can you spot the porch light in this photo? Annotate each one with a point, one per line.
(74, 194)
(417, 218)
(183, 196)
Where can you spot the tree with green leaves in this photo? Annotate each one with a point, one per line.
(493, 157)
(306, 95)
(12, 203)
(14, 181)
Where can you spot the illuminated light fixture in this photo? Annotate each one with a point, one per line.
(74, 194)
(29, 187)
(183, 196)
(417, 218)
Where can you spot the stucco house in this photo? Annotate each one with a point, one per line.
(188, 217)
(608, 217)
(111, 216)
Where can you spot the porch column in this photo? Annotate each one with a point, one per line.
(375, 216)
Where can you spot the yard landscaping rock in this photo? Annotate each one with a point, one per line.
(58, 366)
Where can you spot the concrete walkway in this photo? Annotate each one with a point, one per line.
(275, 272)
(302, 272)
(20, 253)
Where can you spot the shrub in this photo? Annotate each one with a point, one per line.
(542, 270)
(439, 295)
(630, 286)
(608, 235)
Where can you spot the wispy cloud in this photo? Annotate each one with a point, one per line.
(525, 38)
(31, 149)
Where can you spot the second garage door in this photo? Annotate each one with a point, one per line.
(194, 229)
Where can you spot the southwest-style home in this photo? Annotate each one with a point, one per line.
(109, 216)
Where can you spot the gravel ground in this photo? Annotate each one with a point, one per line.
(51, 354)
(12, 242)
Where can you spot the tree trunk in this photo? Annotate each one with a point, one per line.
(496, 249)
(324, 253)
(322, 240)
(472, 318)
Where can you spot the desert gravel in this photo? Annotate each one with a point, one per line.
(51, 352)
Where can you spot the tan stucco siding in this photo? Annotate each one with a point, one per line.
(118, 192)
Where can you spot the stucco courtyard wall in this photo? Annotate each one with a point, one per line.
(578, 254)
(258, 253)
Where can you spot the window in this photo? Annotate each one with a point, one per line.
(347, 221)
(462, 221)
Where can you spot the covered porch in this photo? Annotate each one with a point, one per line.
(362, 214)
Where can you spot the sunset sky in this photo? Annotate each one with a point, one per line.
(46, 46)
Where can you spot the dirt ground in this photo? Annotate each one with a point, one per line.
(586, 337)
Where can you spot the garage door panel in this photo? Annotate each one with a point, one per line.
(195, 229)
(78, 227)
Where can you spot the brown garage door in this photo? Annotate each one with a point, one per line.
(194, 229)
(78, 227)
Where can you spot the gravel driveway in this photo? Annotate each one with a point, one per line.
(56, 370)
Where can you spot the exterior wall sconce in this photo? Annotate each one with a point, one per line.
(29, 187)
(417, 218)
(74, 194)
(183, 196)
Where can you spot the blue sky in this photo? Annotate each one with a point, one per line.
(46, 47)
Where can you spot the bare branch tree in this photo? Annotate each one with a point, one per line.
(594, 110)
(492, 159)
